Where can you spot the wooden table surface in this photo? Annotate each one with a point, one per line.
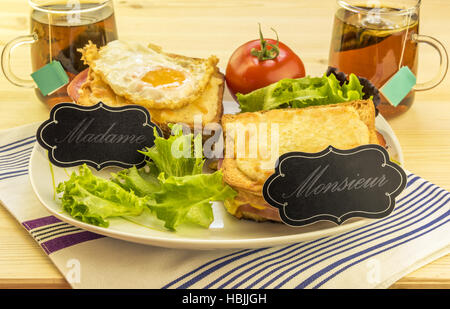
(204, 27)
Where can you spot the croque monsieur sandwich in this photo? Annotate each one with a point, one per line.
(174, 88)
(310, 129)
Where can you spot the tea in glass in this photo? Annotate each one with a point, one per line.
(376, 41)
(59, 38)
(58, 30)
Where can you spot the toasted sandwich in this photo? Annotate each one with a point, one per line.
(201, 100)
(311, 129)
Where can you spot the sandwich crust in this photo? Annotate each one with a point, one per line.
(342, 125)
(208, 105)
(93, 56)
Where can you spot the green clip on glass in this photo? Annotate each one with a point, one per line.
(58, 29)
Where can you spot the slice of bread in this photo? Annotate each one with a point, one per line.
(208, 106)
(311, 129)
(205, 103)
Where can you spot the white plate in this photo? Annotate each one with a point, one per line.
(225, 232)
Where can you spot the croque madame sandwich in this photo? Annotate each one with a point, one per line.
(311, 129)
(174, 88)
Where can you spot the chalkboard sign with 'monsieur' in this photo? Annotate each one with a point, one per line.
(334, 185)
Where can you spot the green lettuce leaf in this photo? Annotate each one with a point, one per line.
(142, 182)
(301, 92)
(171, 186)
(93, 200)
(179, 155)
(173, 182)
(188, 199)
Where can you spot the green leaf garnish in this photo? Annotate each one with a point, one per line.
(301, 92)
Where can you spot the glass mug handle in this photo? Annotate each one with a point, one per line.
(6, 60)
(443, 61)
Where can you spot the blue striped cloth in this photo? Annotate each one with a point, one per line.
(372, 256)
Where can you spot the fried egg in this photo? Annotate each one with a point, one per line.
(146, 76)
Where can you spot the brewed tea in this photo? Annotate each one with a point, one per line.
(375, 46)
(60, 35)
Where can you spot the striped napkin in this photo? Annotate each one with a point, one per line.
(372, 256)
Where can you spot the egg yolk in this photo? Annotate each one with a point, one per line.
(164, 76)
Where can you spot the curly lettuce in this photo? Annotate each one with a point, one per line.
(179, 192)
(141, 182)
(301, 92)
(93, 200)
(171, 186)
(188, 199)
(178, 155)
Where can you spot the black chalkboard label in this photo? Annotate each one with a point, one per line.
(334, 185)
(98, 135)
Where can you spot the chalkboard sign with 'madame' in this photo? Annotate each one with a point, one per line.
(334, 185)
(98, 135)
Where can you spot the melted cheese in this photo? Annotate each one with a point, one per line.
(306, 130)
(232, 206)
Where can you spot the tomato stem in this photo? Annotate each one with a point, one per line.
(264, 53)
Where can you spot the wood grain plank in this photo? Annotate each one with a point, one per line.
(204, 27)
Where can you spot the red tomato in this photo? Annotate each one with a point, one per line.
(245, 72)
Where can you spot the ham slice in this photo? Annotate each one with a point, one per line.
(269, 212)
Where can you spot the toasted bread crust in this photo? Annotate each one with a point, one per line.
(240, 181)
(264, 212)
(94, 90)
(217, 114)
(253, 216)
(91, 55)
